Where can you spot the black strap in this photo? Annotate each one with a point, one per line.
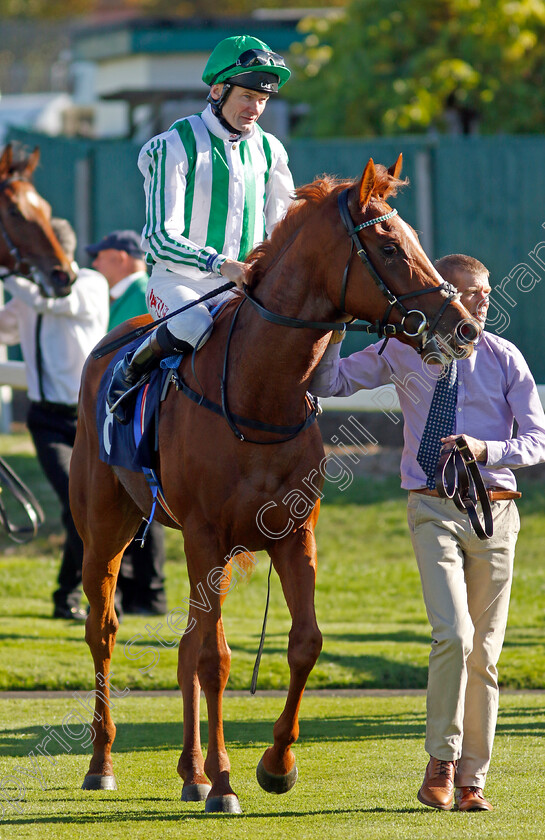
(298, 323)
(200, 399)
(255, 673)
(10, 482)
(39, 356)
(458, 478)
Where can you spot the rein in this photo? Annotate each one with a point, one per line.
(381, 327)
(11, 482)
(458, 478)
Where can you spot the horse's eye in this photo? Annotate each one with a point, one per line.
(14, 211)
(389, 250)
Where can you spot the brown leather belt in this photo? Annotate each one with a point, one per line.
(495, 494)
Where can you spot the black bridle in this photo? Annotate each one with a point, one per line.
(381, 327)
(57, 285)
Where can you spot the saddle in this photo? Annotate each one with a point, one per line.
(457, 477)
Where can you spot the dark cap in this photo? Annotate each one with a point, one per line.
(118, 240)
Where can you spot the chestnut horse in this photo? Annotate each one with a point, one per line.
(28, 245)
(232, 496)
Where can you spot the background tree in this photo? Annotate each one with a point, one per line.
(405, 66)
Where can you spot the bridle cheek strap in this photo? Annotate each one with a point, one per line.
(393, 300)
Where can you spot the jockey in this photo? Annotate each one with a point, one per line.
(216, 184)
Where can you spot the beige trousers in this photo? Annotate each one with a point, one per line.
(466, 583)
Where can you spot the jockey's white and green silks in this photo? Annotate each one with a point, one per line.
(210, 196)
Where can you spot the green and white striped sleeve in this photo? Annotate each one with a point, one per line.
(279, 188)
(165, 162)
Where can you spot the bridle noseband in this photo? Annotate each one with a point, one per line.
(382, 328)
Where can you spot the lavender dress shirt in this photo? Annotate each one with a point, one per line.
(495, 388)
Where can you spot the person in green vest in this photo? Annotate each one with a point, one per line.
(216, 184)
(119, 257)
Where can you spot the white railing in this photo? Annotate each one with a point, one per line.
(12, 374)
(380, 399)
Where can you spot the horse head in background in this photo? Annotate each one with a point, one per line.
(239, 463)
(28, 245)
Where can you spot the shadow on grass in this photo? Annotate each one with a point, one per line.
(139, 816)
(525, 721)
(238, 733)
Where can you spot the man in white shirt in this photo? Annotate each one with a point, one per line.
(56, 336)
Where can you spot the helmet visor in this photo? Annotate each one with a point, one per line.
(254, 58)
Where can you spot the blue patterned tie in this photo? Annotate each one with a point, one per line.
(440, 422)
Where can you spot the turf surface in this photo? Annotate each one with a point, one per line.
(360, 759)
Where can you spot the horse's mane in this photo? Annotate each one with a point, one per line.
(307, 199)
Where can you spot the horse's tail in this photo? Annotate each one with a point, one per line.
(240, 566)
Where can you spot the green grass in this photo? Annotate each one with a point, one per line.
(360, 759)
(368, 602)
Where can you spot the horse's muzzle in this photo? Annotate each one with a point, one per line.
(60, 283)
(437, 350)
(467, 332)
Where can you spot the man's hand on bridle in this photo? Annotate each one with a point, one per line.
(477, 447)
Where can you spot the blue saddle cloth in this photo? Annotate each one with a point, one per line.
(132, 445)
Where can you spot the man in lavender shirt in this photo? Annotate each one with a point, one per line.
(466, 582)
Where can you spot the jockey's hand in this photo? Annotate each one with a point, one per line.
(477, 447)
(237, 272)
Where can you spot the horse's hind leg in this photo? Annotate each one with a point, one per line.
(106, 519)
(191, 764)
(294, 559)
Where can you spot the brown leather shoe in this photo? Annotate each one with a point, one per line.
(437, 789)
(471, 799)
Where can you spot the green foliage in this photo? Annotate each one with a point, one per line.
(402, 66)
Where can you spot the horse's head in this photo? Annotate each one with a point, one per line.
(388, 279)
(28, 245)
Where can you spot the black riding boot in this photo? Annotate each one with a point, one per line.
(134, 368)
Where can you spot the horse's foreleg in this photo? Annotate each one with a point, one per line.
(294, 559)
(100, 632)
(213, 662)
(191, 764)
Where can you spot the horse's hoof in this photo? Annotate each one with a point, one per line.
(195, 793)
(94, 781)
(275, 784)
(227, 804)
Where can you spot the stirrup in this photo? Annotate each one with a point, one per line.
(111, 408)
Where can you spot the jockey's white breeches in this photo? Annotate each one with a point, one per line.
(166, 292)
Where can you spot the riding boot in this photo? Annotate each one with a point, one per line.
(134, 369)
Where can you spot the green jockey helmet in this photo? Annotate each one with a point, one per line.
(247, 62)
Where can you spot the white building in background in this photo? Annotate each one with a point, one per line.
(138, 76)
(41, 111)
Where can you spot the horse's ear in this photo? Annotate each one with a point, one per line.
(367, 183)
(6, 160)
(395, 169)
(32, 162)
